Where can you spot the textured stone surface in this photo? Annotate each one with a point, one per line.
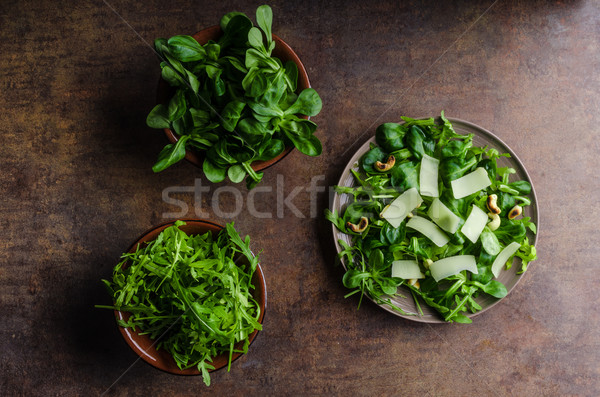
(76, 83)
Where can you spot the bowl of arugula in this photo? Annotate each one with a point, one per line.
(234, 100)
(434, 220)
(189, 297)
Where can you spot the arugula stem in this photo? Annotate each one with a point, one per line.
(459, 307)
(416, 299)
(454, 288)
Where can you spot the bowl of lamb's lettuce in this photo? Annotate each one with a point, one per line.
(434, 219)
(234, 99)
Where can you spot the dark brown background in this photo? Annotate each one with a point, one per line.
(77, 188)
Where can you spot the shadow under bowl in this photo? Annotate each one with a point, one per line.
(282, 51)
(144, 346)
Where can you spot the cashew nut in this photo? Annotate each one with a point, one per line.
(414, 282)
(494, 223)
(361, 227)
(515, 211)
(382, 167)
(427, 263)
(491, 204)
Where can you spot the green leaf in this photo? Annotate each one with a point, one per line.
(272, 149)
(291, 74)
(231, 114)
(461, 318)
(213, 50)
(186, 48)
(236, 27)
(170, 76)
(276, 88)
(258, 59)
(177, 105)
(495, 288)
(227, 18)
(490, 242)
(405, 176)
(308, 103)
(523, 187)
(251, 130)
(368, 160)
(353, 278)
(213, 173)
(171, 154)
(252, 182)
(527, 253)
(258, 87)
(390, 136)
(457, 148)
(236, 63)
(265, 110)
(158, 117)
(264, 19)
(236, 173)
(255, 39)
(194, 84)
(183, 125)
(453, 168)
(414, 141)
(200, 117)
(310, 145)
(392, 235)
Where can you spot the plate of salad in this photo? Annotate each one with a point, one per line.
(435, 220)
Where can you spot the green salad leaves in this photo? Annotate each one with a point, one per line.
(394, 228)
(233, 102)
(191, 292)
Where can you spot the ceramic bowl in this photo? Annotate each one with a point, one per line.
(143, 346)
(282, 51)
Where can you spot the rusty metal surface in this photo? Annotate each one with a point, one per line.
(76, 188)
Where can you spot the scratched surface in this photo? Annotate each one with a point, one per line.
(76, 188)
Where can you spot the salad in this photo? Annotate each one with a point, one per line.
(433, 213)
(192, 294)
(233, 101)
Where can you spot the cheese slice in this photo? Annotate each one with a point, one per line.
(453, 265)
(428, 176)
(503, 256)
(398, 209)
(429, 230)
(474, 224)
(407, 269)
(443, 216)
(470, 183)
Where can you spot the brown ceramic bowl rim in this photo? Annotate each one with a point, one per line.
(161, 359)
(281, 48)
(503, 148)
